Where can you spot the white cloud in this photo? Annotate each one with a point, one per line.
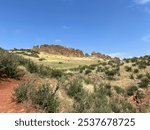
(65, 27)
(142, 2)
(146, 38)
(120, 55)
(58, 41)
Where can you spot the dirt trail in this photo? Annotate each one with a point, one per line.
(7, 105)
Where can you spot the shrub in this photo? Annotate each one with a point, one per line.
(87, 55)
(131, 76)
(136, 71)
(127, 60)
(84, 105)
(44, 98)
(32, 67)
(111, 72)
(75, 90)
(88, 71)
(41, 59)
(60, 62)
(134, 59)
(27, 52)
(56, 73)
(139, 76)
(119, 90)
(141, 65)
(87, 80)
(139, 95)
(103, 90)
(8, 65)
(148, 75)
(41, 96)
(144, 82)
(119, 106)
(131, 90)
(99, 69)
(128, 69)
(21, 92)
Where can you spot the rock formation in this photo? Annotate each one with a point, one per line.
(99, 55)
(59, 50)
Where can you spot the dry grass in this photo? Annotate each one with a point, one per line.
(62, 62)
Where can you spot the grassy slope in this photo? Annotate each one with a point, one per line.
(95, 77)
(62, 62)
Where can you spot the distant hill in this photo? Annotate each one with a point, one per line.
(61, 50)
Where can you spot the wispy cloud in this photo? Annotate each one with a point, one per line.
(58, 41)
(120, 55)
(141, 2)
(65, 27)
(146, 38)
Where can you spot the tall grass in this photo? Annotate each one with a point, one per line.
(41, 96)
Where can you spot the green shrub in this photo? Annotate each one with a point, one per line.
(56, 73)
(27, 52)
(99, 69)
(131, 90)
(134, 59)
(88, 71)
(31, 67)
(60, 62)
(8, 65)
(44, 98)
(131, 76)
(121, 106)
(139, 95)
(141, 65)
(127, 60)
(21, 92)
(41, 59)
(101, 102)
(147, 75)
(119, 90)
(127, 107)
(111, 72)
(75, 90)
(128, 69)
(41, 96)
(144, 82)
(103, 90)
(139, 76)
(136, 71)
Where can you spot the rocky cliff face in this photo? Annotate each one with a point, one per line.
(99, 55)
(59, 50)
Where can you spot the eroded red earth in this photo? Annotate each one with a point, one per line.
(7, 105)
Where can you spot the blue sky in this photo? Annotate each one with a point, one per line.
(116, 27)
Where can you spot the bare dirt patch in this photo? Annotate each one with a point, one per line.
(7, 105)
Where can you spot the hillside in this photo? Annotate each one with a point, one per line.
(59, 50)
(68, 83)
(59, 57)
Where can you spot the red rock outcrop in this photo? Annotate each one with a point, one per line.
(99, 55)
(59, 50)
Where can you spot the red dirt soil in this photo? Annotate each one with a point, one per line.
(7, 105)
